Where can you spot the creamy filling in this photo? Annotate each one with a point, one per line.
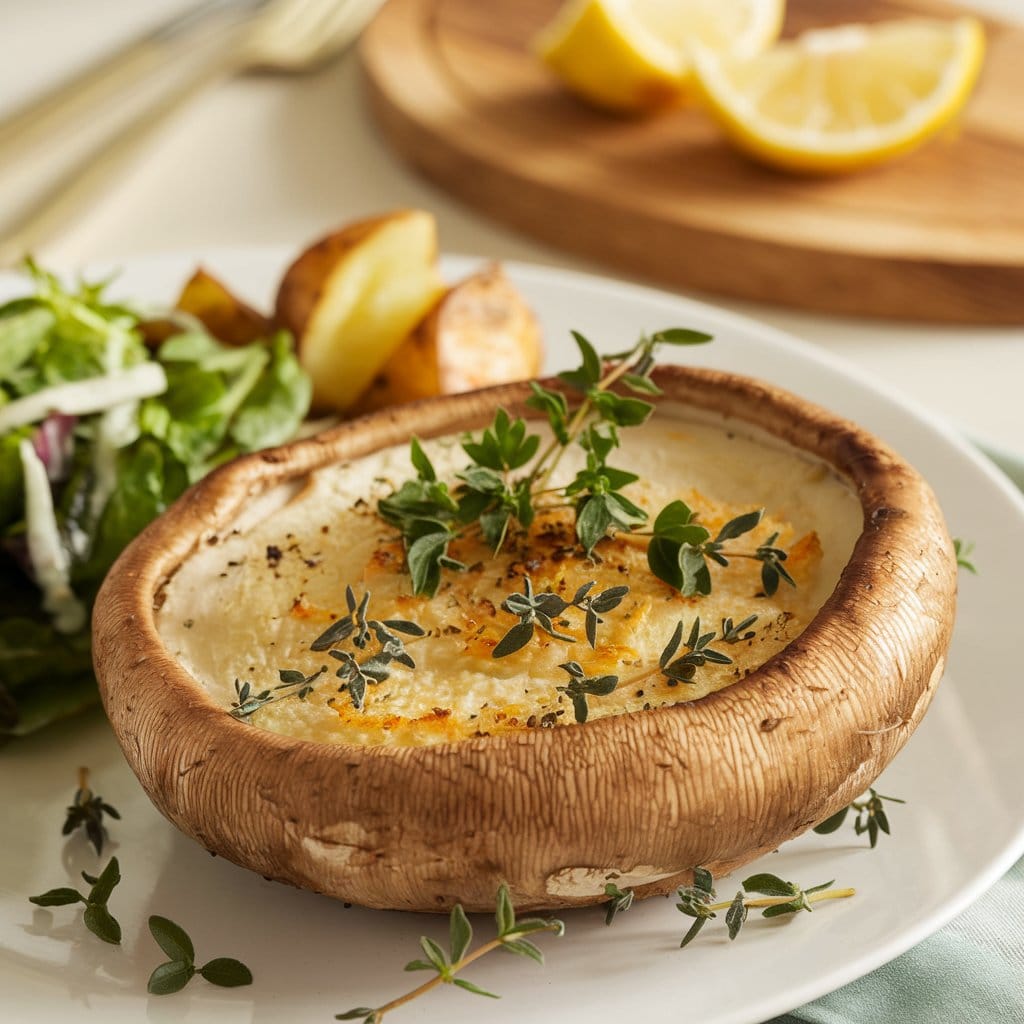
(250, 604)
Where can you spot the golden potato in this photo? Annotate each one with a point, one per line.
(481, 332)
(222, 313)
(351, 299)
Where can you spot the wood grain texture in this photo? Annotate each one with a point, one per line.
(935, 236)
(552, 812)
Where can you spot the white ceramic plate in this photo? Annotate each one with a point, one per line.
(963, 824)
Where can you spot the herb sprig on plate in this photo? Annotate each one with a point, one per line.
(508, 481)
(97, 916)
(447, 964)
(773, 896)
(86, 812)
(870, 817)
(180, 968)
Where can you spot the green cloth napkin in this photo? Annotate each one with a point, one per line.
(970, 972)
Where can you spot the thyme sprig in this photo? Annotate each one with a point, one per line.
(734, 634)
(870, 817)
(489, 500)
(540, 611)
(247, 700)
(680, 549)
(96, 916)
(86, 812)
(618, 902)
(356, 672)
(699, 900)
(581, 686)
(962, 549)
(511, 936)
(683, 669)
(180, 968)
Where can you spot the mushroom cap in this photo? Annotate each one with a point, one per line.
(638, 798)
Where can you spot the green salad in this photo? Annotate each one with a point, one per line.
(99, 433)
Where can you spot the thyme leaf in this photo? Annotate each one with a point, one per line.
(180, 969)
(96, 916)
(962, 549)
(618, 902)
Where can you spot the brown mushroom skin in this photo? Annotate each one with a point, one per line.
(639, 798)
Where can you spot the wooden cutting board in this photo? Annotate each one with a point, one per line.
(938, 235)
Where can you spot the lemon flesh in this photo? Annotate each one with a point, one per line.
(842, 98)
(635, 55)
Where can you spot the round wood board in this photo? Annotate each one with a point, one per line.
(935, 236)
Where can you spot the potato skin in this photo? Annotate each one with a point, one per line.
(216, 307)
(222, 313)
(481, 332)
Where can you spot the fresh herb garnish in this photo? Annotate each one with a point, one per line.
(489, 499)
(581, 686)
(512, 937)
(97, 917)
(180, 969)
(680, 548)
(618, 902)
(86, 812)
(871, 817)
(698, 900)
(962, 549)
(376, 640)
(539, 610)
(683, 669)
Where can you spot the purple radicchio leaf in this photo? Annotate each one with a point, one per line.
(54, 444)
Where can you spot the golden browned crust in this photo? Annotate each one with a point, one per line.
(551, 812)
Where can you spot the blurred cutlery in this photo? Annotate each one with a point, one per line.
(291, 36)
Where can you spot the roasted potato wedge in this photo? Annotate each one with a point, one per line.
(222, 313)
(480, 332)
(351, 299)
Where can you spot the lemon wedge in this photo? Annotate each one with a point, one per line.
(635, 55)
(838, 99)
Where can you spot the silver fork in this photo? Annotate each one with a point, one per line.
(44, 117)
(291, 36)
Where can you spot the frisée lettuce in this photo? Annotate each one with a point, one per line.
(99, 433)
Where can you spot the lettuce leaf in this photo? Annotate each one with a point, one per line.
(149, 478)
(277, 404)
